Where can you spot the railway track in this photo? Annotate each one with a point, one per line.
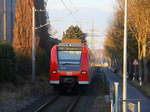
(69, 107)
(73, 105)
(42, 107)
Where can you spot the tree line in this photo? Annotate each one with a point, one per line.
(75, 32)
(138, 37)
(20, 51)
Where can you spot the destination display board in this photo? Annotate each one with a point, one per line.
(66, 40)
(61, 48)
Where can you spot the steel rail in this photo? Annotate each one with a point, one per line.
(42, 107)
(73, 104)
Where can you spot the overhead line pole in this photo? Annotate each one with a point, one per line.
(33, 44)
(124, 93)
(34, 41)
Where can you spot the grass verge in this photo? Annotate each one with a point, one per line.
(21, 91)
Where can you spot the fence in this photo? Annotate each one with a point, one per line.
(133, 105)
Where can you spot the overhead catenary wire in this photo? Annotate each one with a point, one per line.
(60, 18)
(42, 26)
(40, 10)
(77, 10)
(69, 11)
(73, 5)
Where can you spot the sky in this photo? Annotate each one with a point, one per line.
(93, 17)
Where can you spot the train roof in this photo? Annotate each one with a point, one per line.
(68, 40)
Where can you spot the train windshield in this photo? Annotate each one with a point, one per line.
(69, 60)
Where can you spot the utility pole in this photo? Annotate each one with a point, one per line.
(92, 36)
(5, 25)
(34, 41)
(124, 93)
(92, 39)
(33, 44)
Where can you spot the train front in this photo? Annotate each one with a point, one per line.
(70, 65)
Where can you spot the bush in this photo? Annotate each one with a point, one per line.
(7, 62)
(42, 61)
(24, 64)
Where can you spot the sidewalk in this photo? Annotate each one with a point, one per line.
(132, 92)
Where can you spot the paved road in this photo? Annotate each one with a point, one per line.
(132, 93)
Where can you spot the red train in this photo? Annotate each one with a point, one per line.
(70, 65)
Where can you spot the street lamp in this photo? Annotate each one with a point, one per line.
(124, 92)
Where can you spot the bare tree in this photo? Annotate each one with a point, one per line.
(139, 16)
(22, 41)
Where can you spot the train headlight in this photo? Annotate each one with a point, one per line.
(54, 72)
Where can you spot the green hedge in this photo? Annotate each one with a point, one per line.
(42, 61)
(12, 63)
(7, 62)
(24, 64)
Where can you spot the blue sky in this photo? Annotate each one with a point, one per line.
(87, 14)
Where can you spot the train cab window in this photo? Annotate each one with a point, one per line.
(69, 60)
